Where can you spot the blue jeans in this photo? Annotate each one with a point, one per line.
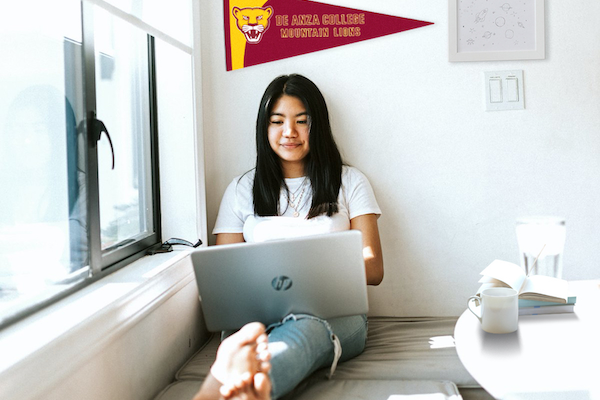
(301, 344)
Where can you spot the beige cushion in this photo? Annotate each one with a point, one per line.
(408, 349)
(397, 348)
(379, 390)
(179, 390)
(198, 366)
(343, 389)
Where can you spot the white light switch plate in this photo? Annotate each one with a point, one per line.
(504, 90)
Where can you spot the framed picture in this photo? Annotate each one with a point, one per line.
(493, 30)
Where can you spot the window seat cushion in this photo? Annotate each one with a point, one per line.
(398, 350)
(344, 389)
(408, 348)
(376, 389)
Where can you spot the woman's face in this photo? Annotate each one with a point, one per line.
(288, 133)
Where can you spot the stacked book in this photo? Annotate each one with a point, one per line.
(533, 307)
(538, 294)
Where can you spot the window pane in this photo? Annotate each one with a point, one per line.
(122, 103)
(43, 246)
(173, 17)
(175, 98)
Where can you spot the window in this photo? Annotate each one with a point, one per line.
(78, 152)
(123, 102)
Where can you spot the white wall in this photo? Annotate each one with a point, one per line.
(451, 178)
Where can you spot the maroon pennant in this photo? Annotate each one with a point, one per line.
(259, 31)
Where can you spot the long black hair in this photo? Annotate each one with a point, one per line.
(322, 165)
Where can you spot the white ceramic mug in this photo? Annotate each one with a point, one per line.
(498, 310)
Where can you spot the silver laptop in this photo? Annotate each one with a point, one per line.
(322, 275)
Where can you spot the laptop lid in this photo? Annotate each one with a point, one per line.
(322, 275)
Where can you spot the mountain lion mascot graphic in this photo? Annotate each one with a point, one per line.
(252, 22)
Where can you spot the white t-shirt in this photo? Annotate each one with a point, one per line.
(236, 214)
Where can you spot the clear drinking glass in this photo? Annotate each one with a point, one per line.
(541, 243)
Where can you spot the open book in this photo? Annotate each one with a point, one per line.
(535, 287)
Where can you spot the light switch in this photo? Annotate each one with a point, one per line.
(495, 90)
(504, 90)
(512, 88)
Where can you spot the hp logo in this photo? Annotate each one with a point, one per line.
(281, 282)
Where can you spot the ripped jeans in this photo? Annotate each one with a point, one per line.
(301, 344)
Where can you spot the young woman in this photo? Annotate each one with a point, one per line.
(300, 186)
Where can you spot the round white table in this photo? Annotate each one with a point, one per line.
(552, 356)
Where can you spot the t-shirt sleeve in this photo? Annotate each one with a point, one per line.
(230, 218)
(359, 194)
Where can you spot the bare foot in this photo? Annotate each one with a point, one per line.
(259, 390)
(240, 369)
(242, 355)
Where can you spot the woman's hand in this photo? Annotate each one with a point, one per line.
(367, 224)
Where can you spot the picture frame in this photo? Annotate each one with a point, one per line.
(496, 30)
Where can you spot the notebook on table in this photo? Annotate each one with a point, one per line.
(321, 275)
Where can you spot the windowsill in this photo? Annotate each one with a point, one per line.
(70, 331)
